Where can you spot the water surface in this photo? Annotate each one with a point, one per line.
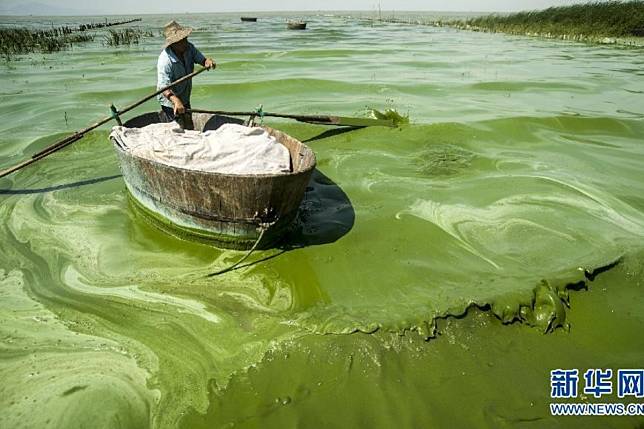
(520, 174)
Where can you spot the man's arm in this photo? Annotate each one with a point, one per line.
(164, 78)
(201, 59)
(179, 108)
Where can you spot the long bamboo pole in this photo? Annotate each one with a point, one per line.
(79, 134)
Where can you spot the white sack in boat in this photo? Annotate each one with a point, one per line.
(231, 149)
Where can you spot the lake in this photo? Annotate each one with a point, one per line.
(437, 272)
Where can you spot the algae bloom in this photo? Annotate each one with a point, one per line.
(389, 114)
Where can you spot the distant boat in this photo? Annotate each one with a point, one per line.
(248, 19)
(293, 25)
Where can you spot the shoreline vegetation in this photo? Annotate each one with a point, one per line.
(125, 37)
(612, 22)
(19, 41)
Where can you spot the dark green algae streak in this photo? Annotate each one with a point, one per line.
(392, 302)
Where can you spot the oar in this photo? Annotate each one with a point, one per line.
(79, 134)
(311, 119)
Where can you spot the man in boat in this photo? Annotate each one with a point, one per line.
(177, 60)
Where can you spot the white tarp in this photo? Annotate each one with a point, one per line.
(231, 149)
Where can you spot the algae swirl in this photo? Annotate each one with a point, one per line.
(516, 186)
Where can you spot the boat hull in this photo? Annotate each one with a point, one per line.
(296, 25)
(228, 211)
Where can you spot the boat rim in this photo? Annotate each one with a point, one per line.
(217, 174)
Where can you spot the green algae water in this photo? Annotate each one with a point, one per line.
(437, 272)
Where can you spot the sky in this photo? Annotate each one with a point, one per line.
(82, 7)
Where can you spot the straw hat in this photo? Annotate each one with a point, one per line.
(173, 32)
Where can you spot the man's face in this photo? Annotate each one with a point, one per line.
(181, 46)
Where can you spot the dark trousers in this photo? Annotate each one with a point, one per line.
(185, 121)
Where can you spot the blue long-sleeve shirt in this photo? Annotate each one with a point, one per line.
(170, 68)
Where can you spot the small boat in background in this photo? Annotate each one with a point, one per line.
(296, 25)
(248, 19)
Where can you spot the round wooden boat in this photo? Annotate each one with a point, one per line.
(296, 25)
(222, 209)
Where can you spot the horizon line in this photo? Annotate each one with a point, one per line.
(259, 11)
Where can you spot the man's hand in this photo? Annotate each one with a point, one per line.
(179, 108)
(209, 63)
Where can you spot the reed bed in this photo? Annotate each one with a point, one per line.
(125, 37)
(18, 41)
(612, 19)
(607, 22)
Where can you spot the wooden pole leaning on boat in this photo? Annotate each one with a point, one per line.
(79, 134)
(342, 121)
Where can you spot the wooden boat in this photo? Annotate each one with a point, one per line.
(221, 209)
(248, 19)
(293, 25)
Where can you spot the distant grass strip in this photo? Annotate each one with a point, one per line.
(85, 27)
(612, 19)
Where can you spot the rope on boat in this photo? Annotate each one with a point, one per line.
(250, 122)
(115, 114)
(263, 227)
(260, 113)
